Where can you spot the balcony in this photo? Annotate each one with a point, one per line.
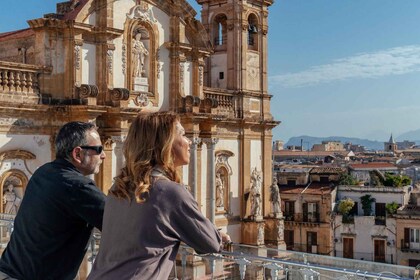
(380, 220)
(241, 261)
(227, 103)
(406, 246)
(311, 217)
(19, 83)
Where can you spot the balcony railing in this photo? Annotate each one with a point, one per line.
(380, 220)
(406, 246)
(255, 262)
(251, 262)
(227, 104)
(20, 82)
(311, 217)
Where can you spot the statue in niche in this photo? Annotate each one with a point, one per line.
(275, 197)
(10, 200)
(256, 182)
(139, 54)
(220, 190)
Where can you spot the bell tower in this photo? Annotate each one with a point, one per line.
(238, 31)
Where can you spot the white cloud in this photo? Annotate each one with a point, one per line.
(395, 61)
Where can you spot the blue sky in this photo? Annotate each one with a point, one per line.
(336, 67)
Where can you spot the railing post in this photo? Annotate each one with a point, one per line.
(417, 273)
(242, 266)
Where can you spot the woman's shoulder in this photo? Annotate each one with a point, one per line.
(170, 188)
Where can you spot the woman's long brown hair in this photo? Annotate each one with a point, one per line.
(148, 144)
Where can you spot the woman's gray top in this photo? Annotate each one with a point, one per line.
(140, 241)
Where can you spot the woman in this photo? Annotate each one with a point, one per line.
(148, 212)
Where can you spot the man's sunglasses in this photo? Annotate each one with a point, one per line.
(97, 149)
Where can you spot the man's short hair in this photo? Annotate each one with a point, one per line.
(70, 136)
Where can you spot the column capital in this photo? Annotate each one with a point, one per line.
(210, 142)
(195, 141)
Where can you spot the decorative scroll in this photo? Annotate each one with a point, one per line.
(118, 94)
(86, 91)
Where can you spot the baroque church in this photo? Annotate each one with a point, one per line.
(106, 61)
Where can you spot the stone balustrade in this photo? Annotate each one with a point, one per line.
(227, 103)
(19, 83)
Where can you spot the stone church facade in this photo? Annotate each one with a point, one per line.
(106, 61)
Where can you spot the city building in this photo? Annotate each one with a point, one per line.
(362, 172)
(367, 231)
(308, 196)
(407, 240)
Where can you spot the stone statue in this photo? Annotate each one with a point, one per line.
(10, 200)
(220, 189)
(256, 182)
(260, 237)
(139, 54)
(275, 197)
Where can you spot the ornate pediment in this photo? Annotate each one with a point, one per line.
(142, 12)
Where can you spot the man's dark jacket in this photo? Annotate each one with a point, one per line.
(53, 225)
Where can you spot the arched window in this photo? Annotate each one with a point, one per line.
(220, 32)
(252, 32)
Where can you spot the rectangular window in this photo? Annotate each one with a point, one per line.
(324, 179)
(310, 212)
(311, 241)
(291, 183)
(221, 75)
(289, 238)
(289, 210)
(414, 238)
(354, 211)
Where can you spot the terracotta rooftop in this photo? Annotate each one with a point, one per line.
(327, 169)
(16, 34)
(314, 188)
(372, 165)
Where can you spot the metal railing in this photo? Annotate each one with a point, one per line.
(251, 262)
(241, 261)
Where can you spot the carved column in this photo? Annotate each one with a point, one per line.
(104, 178)
(211, 143)
(193, 163)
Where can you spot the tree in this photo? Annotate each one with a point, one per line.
(396, 180)
(392, 207)
(367, 204)
(347, 179)
(345, 206)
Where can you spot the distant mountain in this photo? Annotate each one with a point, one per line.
(413, 135)
(309, 141)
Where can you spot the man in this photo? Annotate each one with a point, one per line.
(58, 211)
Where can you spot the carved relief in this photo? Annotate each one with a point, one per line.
(142, 12)
(77, 56)
(141, 100)
(124, 58)
(200, 75)
(181, 76)
(252, 65)
(158, 63)
(110, 56)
